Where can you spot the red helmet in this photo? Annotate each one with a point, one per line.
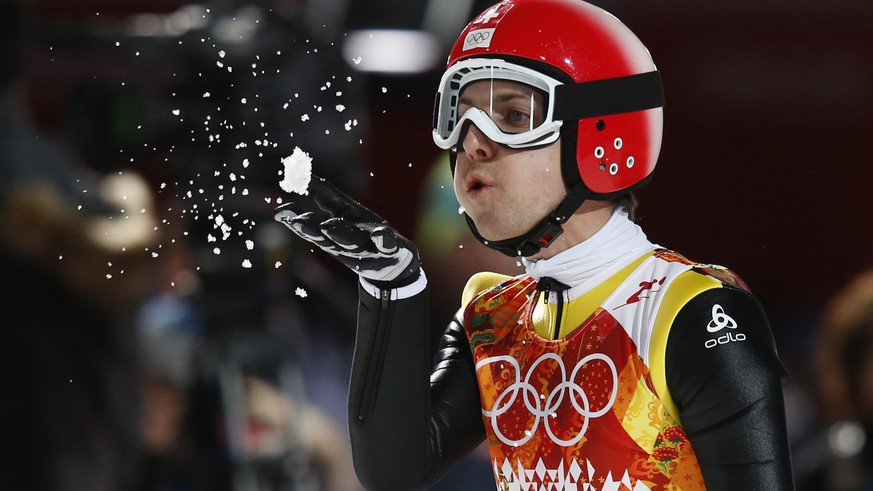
(610, 83)
(605, 97)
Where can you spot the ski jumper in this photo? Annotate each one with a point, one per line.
(616, 365)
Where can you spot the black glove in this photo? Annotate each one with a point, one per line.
(357, 237)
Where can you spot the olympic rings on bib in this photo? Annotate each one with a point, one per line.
(534, 404)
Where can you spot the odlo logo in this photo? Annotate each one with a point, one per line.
(719, 321)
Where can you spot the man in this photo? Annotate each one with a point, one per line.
(612, 363)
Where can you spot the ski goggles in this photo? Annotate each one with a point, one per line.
(453, 113)
(515, 107)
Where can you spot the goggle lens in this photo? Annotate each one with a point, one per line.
(511, 105)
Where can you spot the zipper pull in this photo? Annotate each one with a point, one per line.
(548, 285)
(544, 286)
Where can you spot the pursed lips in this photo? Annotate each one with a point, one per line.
(475, 184)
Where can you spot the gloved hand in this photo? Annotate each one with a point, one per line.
(357, 237)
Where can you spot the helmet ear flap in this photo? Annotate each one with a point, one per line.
(617, 153)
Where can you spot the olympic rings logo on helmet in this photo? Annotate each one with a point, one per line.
(478, 37)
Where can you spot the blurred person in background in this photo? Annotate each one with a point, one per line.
(840, 458)
(73, 246)
(135, 359)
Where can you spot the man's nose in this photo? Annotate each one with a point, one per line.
(477, 146)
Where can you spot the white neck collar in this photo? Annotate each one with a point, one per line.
(591, 261)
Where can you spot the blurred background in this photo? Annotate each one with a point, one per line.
(161, 333)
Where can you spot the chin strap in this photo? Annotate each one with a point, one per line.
(543, 233)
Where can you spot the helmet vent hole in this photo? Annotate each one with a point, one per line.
(617, 143)
(600, 125)
(599, 152)
(630, 162)
(613, 168)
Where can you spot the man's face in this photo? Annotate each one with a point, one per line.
(506, 191)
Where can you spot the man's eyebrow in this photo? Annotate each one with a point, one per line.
(508, 96)
(503, 96)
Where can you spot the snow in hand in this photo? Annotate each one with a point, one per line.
(297, 173)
